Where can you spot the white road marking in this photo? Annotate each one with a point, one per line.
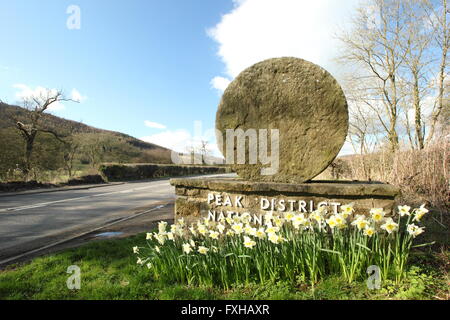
(44, 204)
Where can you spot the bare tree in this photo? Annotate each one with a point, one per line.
(437, 16)
(372, 47)
(36, 105)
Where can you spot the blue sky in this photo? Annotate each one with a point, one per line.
(157, 61)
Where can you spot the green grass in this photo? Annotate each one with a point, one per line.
(109, 271)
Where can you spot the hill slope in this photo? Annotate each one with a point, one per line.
(95, 144)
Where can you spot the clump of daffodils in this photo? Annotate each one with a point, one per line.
(235, 248)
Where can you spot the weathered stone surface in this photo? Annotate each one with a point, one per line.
(300, 99)
(197, 204)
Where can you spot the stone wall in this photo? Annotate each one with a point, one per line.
(196, 197)
(123, 172)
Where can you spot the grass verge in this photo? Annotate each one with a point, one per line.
(109, 271)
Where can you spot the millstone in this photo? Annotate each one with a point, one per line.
(300, 99)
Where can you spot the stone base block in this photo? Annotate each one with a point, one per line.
(196, 197)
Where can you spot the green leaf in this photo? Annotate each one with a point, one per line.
(363, 246)
(330, 251)
(424, 244)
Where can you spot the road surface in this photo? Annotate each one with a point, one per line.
(31, 221)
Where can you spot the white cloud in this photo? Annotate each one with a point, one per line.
(176, 140)
(40, 93)
(256, 30)
(76, 96)
(220, 83)
(154, 125)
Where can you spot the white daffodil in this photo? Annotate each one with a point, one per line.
(135, 250)
(274, 238)
(192, 243)
(237, 228)
(202, 229)
(246, 217)
(289, 216)
(148, 236)
(157, 249)
(389, 225)
(317, 216)
(203, 250)
(420, 212)
(149, 265)
(162, 227)
(404, 210)
(332, 222)
(272, 229)
(161, 238)
(220, 227)
(414, 230)
(377, 214)
(360, 222)
(170, 236)
(214, 234)
(187, 248)
(181, 222)
(260, 233)
(369, 231)
(229, 220)
(248, 242)
(347, 209)
(229, 233)
(140, 261)
(192, 230)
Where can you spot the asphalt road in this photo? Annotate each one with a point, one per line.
(30, 221)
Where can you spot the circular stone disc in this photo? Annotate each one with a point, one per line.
(300, 99)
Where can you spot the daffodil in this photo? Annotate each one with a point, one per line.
(170, 236)
(414, 230)
(317, 216)
(202, 229)
(360, 222)
(289, 216)
(420, 212)
(135, 250)
(272, 229)
(187, 248)
(149, 265)
(248, 242)
(347, 210)
(214, 234)
(274, 238)
(237, 228)
(140, 261)
(181, 222)
(220, 227)
(389, 225)
(229, 233)
(160, 238)
(203, 250)
(404, 210)
(157, 249)
(332, 222)
(192, 243)
(162, 227)
(260, 233)
(377, 214)
(148, 236)
(192, 230)
(369, 231)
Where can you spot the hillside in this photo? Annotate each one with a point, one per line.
(95, 145)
